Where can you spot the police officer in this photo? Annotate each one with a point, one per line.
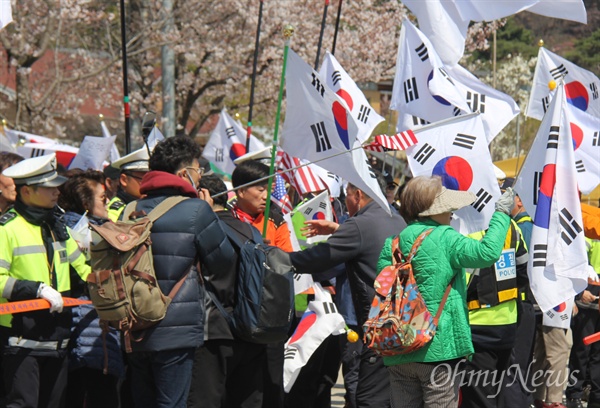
(36, 258)
(132, 167)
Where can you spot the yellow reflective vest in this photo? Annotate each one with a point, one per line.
(23, 257)
(115, 207)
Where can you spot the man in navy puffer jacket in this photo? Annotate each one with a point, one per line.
(161, 362)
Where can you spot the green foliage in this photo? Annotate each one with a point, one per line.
(586, 52)
(512, 39)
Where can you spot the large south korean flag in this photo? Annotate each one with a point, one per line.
(457, 151)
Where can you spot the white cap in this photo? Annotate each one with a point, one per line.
(260, 155)
(500, 175)
(134, 161)
(39, 171)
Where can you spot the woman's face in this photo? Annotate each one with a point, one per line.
(99, 207)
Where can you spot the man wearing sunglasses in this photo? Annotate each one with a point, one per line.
(132, 169)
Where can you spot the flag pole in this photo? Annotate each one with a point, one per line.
(321, 35)
(253, 81)
(126, 107)
(288, 31)
(337, 27)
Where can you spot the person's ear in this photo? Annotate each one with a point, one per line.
(123, 179)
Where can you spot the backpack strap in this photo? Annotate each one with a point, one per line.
(443, 302)
(417, 244)
(232, 235)
(158, 211)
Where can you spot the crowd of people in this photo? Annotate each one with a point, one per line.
(491, 348)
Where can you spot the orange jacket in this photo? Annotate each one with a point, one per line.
(591, 221)
(278, 233)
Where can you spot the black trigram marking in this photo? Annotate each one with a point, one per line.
(335, 177)
(37, 152)
(421, 51)
(424, 153)
(417, 121)
(466, 141)
(553, 137)
(559, 72)
(316, 82)
(540, 252)
(445, 75)
(336, 77)
(371, 172)
(483, 197)
(329, 307)
(410, 90)
(595, 139)
(297, 277)
(579, 166)
(322, 205)
(456, 111)
(537, 182)
(219, 154)
(570, 228)
(308, 211)
(363, 114)
(230, 132)
(290, 353)
(550, 314)
(564, 317)
(321, 138)
(476, 101)
(594, 89)
(545, 103)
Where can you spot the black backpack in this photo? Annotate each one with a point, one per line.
(264, 295)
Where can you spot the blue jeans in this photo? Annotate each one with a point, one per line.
(161, 379)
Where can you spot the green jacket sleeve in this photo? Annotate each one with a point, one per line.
(470, 253)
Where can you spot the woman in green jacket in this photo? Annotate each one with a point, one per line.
(426, 377)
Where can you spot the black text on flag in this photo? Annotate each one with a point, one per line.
(329, 307)
(594, 89)
(483, 197)
(336, 77)
(321, 138)
(230, 132)
(476, 101)
(410, 90)
(540, 252)
(424, 153)
(465, 141)
(579, 166)
(570, 228)
(363, 114)
(553, 137)
(316, 82)
(422, 52)
(219, 154)
(559, 72)
(537, 182)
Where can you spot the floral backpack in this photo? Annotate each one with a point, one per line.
(399, 321)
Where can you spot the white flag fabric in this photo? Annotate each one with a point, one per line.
(547, 185)
(64, 153)
(457, 151)
(114, 152)
(443, 25)
(93, 152)
(228, 142)
(340, 82)
(560, 315)
(6, 145)
(319, 128)
(18, 137)
(320, 320)
(333, 181)
(5, 13)
(429, 91)
(585, 130)
(316, 208)
(582, 87)
(573, 10)
(154, 137)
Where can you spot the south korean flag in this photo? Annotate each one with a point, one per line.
(585, 131)
(457, 151)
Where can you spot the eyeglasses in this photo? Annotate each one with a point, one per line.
(138, 178)
(199, 170)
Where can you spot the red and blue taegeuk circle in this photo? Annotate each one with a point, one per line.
(236, 150)
(577, 95)
(560, 308)
(306, 323)
(456, 173)
(319, 215)
(576, 134)
(542, 213)
(346, 97)
(341, 122)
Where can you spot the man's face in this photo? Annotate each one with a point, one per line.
(42, 197)
(253, 199)
(518, 206)
(352, 200)
(130, 182)
(8, 188)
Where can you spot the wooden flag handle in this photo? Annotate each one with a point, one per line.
(37, 304)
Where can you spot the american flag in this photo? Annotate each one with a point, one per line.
(280, 195)
(303, 179)
(399, 141)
